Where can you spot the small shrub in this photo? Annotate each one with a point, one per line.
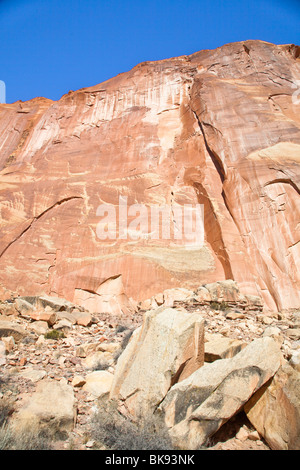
(101, 365)
(54, 334)
(219, 305)
(126, 339)
(11, 439)
(116, 432)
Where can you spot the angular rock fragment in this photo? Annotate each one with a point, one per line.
(168, 347)
(51, 409)
(274, 410)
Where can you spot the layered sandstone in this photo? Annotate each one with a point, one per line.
(219, 127)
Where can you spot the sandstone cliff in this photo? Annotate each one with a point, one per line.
(219, 127)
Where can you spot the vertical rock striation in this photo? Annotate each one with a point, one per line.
(219, 127)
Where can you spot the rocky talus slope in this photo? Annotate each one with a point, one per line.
(191, 355)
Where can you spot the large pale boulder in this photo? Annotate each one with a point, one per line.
(218, 346)
(168, 347)
(196, 408)
(50, 409)
(226, 291)
(98, 383)
(275, 410)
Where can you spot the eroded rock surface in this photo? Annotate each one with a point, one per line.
(168, 347)
(219, 127)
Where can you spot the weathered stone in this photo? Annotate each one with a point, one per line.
(56, 303)
(63, 324)
(24, 307)
(176, 295)
(63, 315)
(82, 318)
(33, 374)
(168, 347)
(196, 408)
(98, 360)
(218, 347)
(78, 381)
(226, 291)
(8, 308)
(98, 383)
(293, 333)
(51, 409)
(12, 329)
(202, 295)
(8, 342)
(275, 410)
(234, 316)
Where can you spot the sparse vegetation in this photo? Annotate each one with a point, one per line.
(111, 429)
(123, 345)
(54, 334)
(121, 328)
(12, 439)
(222, 306)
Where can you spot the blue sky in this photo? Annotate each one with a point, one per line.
(49, 47)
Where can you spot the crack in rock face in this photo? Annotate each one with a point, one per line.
(218, 128)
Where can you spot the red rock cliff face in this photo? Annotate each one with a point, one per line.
(220, 127)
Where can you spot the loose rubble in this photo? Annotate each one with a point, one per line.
(83, 357)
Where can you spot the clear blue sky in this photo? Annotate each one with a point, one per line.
(49, 47)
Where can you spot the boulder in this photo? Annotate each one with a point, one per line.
(8, 328)
(168, 347)
(219, 347)
(202, 295)
(56, 303)
(197, 407)
(8, 308)
(98, 383)
(274, 410)
(82, 318)
(50, 409)
(8, 342)
(177, 295)
(23, 307)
